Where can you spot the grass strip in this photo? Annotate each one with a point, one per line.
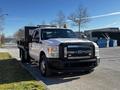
(14, 77)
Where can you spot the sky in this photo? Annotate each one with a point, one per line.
(102, 13)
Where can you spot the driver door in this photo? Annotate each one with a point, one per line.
(34, 47)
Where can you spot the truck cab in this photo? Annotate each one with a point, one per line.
(59, 50)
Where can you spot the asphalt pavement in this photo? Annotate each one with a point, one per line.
(105, 77)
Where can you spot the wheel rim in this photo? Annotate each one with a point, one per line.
(43, 67)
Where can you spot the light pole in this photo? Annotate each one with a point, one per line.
(1, 29)
(2, 16)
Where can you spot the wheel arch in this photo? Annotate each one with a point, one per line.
(45, 71)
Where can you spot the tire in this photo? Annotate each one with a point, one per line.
(24, 57)
(43, 66)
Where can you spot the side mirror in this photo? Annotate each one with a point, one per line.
(83, 36)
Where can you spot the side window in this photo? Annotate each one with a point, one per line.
(36, 35)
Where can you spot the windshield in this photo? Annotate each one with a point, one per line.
(57, 33)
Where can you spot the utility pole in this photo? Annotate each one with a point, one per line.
(1, 29)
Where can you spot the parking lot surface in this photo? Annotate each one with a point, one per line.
(105, 77)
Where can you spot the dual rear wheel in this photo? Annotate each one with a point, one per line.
(24, 55)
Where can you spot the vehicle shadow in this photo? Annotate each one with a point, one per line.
(55, 78)
(61, 78)
(11, 71)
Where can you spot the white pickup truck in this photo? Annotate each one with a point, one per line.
(58, 50)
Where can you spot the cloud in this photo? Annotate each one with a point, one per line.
(104, 15)
(111, 24)
(114, 24)
(100, 16)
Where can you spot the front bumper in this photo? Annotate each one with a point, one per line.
(72, 65)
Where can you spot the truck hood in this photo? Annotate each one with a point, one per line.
(57, 41)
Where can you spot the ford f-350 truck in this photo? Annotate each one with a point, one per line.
(57, 50)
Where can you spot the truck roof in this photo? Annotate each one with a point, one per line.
(49, 27)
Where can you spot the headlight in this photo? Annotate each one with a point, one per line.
(97, 54)
(96, 50)
(53, 52)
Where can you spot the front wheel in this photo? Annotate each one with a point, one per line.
(44, 69)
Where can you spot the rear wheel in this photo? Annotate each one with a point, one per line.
(24, 57)
(44, 69)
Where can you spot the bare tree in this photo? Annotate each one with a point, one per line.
(2, 38)
(60, 19)
(79, 17)
(19, 34)
(1, 27)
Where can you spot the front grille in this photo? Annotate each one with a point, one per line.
(77, 51)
